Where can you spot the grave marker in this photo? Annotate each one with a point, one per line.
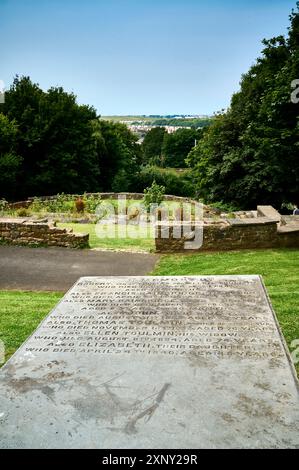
(153, 362)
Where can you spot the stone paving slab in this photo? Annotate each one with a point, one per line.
(153, 362)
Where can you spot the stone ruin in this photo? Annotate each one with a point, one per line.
(263, 228)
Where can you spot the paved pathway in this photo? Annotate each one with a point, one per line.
(58, 268)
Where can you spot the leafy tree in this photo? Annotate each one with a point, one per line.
(55, 139)
(249, 155)
(10, 162)
(152, 145)
(121, 157)
(179, 183)
(177, 146)
(153, 195)
(64, 147)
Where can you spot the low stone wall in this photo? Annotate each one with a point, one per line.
(225, 235)
(104, 196)
(23, 232)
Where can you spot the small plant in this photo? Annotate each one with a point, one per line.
(91, 203)
(61, 203)
(23, 212)
(37, 205)
(153, 195)
(3, 205)
(80, 205)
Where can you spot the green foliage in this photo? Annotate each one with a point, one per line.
(153, 195)
(65, 204)
(152, 145)
(177, 146)
(178, 183)
(61, 203)
(121, 156)
(54, 139)
(121, 181)
(194, 123)
(91, 203)
(49, 144)
(159, 120)
(249, 155)
(23, 212)
(3, 205)
(10, 162)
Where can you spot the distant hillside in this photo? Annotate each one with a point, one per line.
(159, 120)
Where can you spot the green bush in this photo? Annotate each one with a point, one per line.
(91, 203)
(176, 183)
(153, 195)
(3, 205)
(62, 203)
(23, 212)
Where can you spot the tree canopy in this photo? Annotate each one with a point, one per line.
(177, 146)
(51, 144)
(249, 155)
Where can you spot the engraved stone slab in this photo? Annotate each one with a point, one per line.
(153, 362)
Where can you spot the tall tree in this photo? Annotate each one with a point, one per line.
(152, 146)
(10, 162)
(177, 146)
(55, 139)
(249, 155)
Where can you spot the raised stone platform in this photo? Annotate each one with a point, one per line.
(153, 362)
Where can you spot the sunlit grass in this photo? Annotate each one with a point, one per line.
(279, 269)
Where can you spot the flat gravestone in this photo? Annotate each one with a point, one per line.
(153, 362)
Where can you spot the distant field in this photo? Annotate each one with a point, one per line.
(161, 120)
(146, 120)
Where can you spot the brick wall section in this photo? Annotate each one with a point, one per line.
(234, 234)
(21, 232)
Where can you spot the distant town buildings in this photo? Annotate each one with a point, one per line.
(143, 129)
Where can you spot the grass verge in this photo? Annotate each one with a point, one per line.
(279, 268)
(20, 314)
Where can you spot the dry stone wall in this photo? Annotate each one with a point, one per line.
(231, 234)
(23, 232)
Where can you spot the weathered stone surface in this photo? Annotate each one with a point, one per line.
(231, 234)
(250, 222)
(23, 232)
(270, 212)
(150, 362)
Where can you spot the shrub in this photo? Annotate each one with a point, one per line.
(3, 205)
(175, 182)
(91, 203)
(23, 212)
(153, 195)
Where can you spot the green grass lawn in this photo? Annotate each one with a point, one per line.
(115, 237)
(279, 268)
(20, 314)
